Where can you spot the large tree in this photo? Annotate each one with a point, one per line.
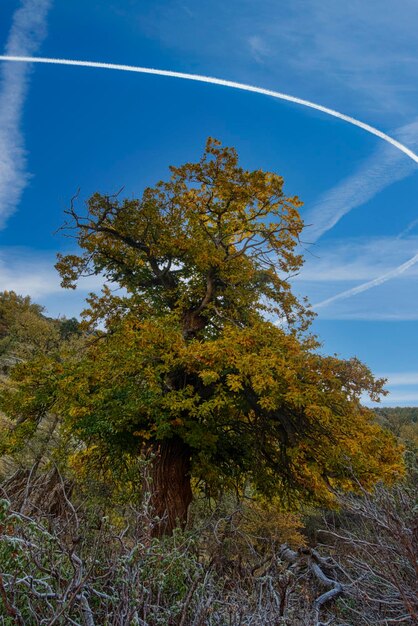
(202, 356)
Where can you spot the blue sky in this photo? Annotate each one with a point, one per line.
(65, 128)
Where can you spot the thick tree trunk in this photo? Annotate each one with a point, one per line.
(171, 493)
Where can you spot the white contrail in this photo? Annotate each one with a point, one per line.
(267, 92)
(26, 34)
(371, 283)
(222, 82)
(383, 168)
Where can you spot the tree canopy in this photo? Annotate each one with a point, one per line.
(197, 349)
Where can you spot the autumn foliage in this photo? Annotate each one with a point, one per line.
(201, 360)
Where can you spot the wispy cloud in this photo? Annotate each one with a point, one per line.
(348, 267)
(30, 272)
(359, 54)
(363, 47)
(402, 387)
(384, 168)
(379, 280)
(28, 276)
(394, 399)
(258, 48)
(400, 379)
(357, 259)
(396, 302)
(27, 32)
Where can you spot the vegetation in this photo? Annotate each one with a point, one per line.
(401, 421)
(164, 460)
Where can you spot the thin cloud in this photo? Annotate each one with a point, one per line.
(408, 229)
(394, 399)
(258, 48)
(400, 379)
(26, 35)
(360, 51)
(358, 259)
(369, 284)
(380, 171)
(376, 282)
(384, 168)
(28, 272)
(352, 267)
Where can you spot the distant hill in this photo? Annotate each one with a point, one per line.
(402, 421)
(26, 330)
(408, 413)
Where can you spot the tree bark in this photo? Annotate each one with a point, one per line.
(171, 493)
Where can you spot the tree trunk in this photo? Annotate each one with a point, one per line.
(171, 492)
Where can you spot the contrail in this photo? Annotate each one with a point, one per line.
(27, 32)
(371, 283)
(380, 170)
(224, 83)
(267, 92)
